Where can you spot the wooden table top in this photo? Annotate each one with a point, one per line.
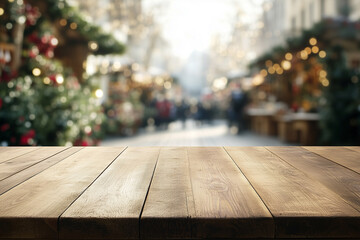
(179, 192)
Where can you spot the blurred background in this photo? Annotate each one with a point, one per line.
(179, 72)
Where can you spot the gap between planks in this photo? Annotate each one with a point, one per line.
(252, 187)
(58, 220)
(27, 173)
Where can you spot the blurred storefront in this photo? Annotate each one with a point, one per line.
(307, 91)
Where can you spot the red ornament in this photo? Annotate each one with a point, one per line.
(32, 14)
(81, 142)
(4, 127)
(8, 76)
(24, 140)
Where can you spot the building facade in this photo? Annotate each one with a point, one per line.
(287, 18)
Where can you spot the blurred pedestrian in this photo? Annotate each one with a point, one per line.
(236, 112)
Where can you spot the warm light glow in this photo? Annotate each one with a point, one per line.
(323, 73)
(268, 63)
(308, 50)
(325, 82)
(167, 85)
(220, 83)
(303, 55)
(59, 79)
(313, 41)
(54, 41)
(263, 72)
(288, 56)
(135, 67)
(73, 26)
(116, 66)
(276, 66)
(99, 93)
(279, 71)
(315, 49)
(36, 72)
(63, 22)
(257, 80)
(87, 129)
(271, 70)
(322, 54)
(93, 45)
(1, 11)
(46, 80)
(286, 65)
(159, 81)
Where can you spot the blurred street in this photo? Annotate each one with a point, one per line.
(215, 134)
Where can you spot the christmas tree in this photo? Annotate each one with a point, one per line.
(41, 101)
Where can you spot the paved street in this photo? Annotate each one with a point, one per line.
(216, 134)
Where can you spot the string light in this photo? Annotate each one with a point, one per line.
(313, 41)
(322, 54)
(276, 66)
(54, 41)
(308, 50)
(286, 65)
(268, 63)
(167, 85)
(263, 72)
(315, 49)
(257, 80)
(59, 79)
(325, 82)
(73, 26)
(288, 56)
(323, 73)
(46, 80)
(271, 70)
(279, 71)
(1, 11)
(303, 55)
(63, 22)
(99, 93)
(36, 72)
(93, 45)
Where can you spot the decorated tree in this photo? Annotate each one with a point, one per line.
(42, 102)
(326, 58)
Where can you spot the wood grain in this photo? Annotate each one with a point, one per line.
(7, 153)
(27, 173)
(226, 206)
(301, 206)
(354, 148)
(24, 161)
(110, 208)
(341, 155)
(32, 209)
(341, 180)
(169, 204)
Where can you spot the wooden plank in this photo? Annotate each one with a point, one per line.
(27, 173)
(341, 155)
(32, 209)
(169, 204)
(7, 153)
(226, 206)
(302, 207)
(340, 180)
(111, 207)
(22, 162)
(354, 148)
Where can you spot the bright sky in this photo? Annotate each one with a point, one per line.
(189, 25)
